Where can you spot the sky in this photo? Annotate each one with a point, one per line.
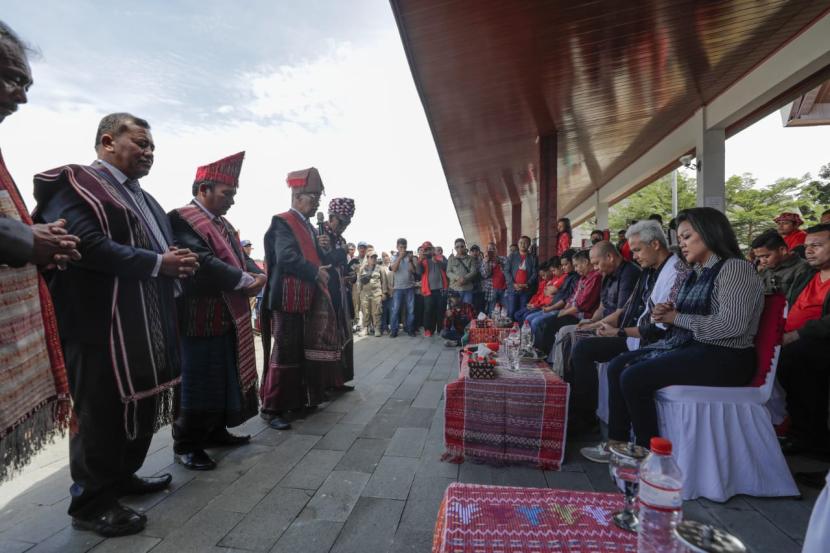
(294, 84)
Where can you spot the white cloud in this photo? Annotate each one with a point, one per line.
(353, 113)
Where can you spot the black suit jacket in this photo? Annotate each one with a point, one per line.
(284, 257)
(83, 292)
(214, 275)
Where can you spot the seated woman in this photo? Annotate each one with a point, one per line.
(711, 329)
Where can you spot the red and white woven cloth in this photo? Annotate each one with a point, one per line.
(490, 334)
(515, 418)
(496, 519)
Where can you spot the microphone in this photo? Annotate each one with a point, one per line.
(321, 220)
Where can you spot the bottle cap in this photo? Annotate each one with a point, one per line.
(661, 446)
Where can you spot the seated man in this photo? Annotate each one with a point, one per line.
(537, 300)
(778, 266)
(804, 366)
(458, 316)
(582, 303)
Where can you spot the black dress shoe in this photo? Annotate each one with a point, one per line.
(196, 460)
(344, 388)
(137, 485)
(116, 521)
(223, 438)
(279, 423)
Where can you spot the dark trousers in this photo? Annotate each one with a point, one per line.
(210, 393)
(419, 312)
(583, 371)
(548, 329)
(479, 305)
(633, 380)
(804, 371)
(100, 456)
(517, 301)
(386, 313)
(433, 311)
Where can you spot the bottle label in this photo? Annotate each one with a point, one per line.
(659, 497)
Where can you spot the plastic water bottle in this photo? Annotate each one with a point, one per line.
(660, 499)
(527, 336)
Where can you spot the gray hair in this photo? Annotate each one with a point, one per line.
(648, 231)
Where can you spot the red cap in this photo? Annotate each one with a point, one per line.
(661, 446)
(224, 171)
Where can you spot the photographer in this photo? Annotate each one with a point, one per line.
(404, 272)
(461, 271)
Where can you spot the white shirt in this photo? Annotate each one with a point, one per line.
(122, 178)
(659, 294)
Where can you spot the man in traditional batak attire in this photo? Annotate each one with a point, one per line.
(219, 379)
(34, 393)
(298, 313)
(117, 319)
(341, 211)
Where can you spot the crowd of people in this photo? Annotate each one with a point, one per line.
(120, 317)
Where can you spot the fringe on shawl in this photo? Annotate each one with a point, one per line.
(35, 430)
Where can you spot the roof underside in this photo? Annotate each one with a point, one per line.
(609, 79)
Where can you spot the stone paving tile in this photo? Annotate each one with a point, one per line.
(392, 478)
(68, 540)
(753, 528)
(429, 487)
(318, 423)
(14, 546)
(46, 522)
(336, 497)
(169, 515)
(312, 470)
(382, 425)
(340, 437)
(362, 414)
(200, 533)
(363, 456)
(395, 407)
(417, 417)
(788, 515)
(234, 463)
(430, 395)
(260, 529)
(530, 477)
(127, 544)
(371, 527)
(250, 488)
(407, 442)
(475, 473)
(412, 541)
(568, 480)
(308, 536)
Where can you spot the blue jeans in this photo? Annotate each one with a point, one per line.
(537, 324)
(516, 301)
(498, 297)
(398, 296)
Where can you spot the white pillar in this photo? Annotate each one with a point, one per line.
(711, 168)
(601, 211)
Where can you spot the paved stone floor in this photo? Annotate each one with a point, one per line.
(362, 475)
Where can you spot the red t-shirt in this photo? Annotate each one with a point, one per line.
(539, 296)
(521, 274)
(626, 251)
(808, 305)
(499, 282)
(795, 238)
(558, 281)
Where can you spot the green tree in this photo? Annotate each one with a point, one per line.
(654, 198)
(751, 209)
(815, 196)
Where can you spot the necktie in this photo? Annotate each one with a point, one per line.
(138, 196)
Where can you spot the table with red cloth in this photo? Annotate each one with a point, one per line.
(517, 417)
(496, 519)
(489, 334)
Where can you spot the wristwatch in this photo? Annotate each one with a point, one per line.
(621, 333)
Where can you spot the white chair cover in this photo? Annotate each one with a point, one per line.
(817, 539)
(724, 441)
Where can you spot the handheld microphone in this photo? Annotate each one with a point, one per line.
(321, 220)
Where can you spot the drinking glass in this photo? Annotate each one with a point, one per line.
(624, 466)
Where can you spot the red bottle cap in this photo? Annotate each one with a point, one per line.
(661, 446)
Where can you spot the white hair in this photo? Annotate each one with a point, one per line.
(648, 230)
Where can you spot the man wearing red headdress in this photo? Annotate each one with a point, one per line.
(298, 312)
(788, 224)
(219, 376)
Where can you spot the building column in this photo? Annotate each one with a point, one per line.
(601, 211)
(711, 168)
